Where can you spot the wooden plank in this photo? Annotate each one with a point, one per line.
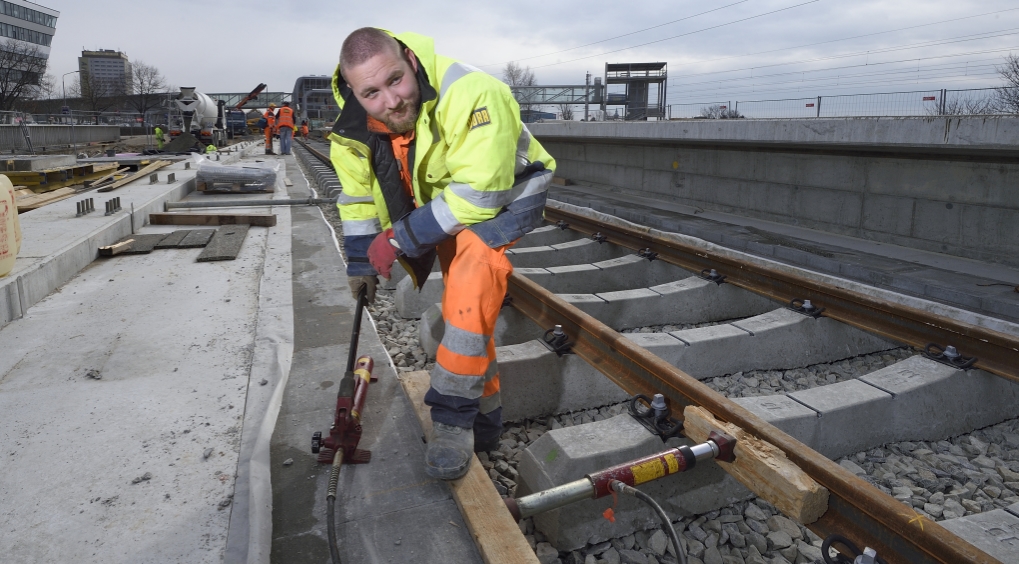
(37, 201)
(172, 218)
(152, 167)
(496, 534)
(108, 177)
(561, 181)
(763, 468)
(225, 244)
(174, 239)
(116, 248)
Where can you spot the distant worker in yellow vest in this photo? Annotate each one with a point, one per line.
(285, 127)
(159, 137)
(270, 126)
(210, 148)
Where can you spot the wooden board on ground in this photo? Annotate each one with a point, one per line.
(152, 167)
(225, 244)
(174, 239)
(103, 179)
(495, 532)
(561, 181)
(116, 248)
(171, 218)
(143, 243)
(52, 179)
(36, 201)
(196, 238)
(763, 468)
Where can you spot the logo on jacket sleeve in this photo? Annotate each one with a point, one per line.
(479, 118)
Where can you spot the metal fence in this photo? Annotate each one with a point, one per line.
(981, 101)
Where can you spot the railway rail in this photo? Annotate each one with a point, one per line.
(856, 508)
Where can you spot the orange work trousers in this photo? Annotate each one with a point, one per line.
(268, 138)
(466, 373)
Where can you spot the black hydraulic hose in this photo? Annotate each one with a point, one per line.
(334, 479)
(620, 487)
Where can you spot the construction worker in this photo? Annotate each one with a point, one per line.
(210, 148)
(285, 127)
(159, 137)
(304, 130)
(270, 127)
(454, 174)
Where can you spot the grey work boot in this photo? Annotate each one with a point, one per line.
(450, 451)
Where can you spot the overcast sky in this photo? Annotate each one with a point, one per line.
(233, 46)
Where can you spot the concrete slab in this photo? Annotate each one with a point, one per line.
(38, 162)
(579, 251)
(536, 382)
(622, 273)
(169, 403)
(56, 245)
(511, 328)
(908, 398)
(995, 532)
(546, 235)
(567, 454)
(777, 339)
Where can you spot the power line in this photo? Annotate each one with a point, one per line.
(616, 37)
(824, 69)
(959, 39)
(680, 35)
(844, 38)
(840, 82)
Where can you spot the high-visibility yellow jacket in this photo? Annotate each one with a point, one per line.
(474, 164)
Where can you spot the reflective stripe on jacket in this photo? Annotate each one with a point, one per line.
(285, 117)
(472, 158)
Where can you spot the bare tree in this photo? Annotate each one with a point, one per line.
(567, 111)
(719, 112)
(960, 106)
(149, 88)
(1007, 97)
(516, 75)
(22, 66)
(97, 94)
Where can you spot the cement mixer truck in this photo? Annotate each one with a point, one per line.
(202, 116)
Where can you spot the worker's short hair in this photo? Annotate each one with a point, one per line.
(363, 44)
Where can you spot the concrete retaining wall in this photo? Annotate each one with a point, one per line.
(939, 184)
(11, 136)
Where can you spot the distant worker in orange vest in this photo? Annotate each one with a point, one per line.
(270, 126)
(304, 129)
(285, 127)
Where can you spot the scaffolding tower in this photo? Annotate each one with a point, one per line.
(639, 79)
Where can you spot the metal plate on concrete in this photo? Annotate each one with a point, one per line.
(173, 239)
(225, 244)
(143, 243)
(196, 238)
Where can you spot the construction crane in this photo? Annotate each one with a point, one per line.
(254, 94)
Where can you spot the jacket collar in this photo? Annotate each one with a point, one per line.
(353, 119)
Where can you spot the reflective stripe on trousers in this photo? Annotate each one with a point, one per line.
(476, 278)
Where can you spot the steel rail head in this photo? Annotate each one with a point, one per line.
(995, 352)
(856, 509)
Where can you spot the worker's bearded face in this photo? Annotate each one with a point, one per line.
(387, 87)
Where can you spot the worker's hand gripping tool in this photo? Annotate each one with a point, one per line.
(345, 432)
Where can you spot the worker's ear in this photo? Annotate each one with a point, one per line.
(411, 58)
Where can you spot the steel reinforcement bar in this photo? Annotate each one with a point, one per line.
(856, 509)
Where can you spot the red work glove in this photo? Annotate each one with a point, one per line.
(382, 253)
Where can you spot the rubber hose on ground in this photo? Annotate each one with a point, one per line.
(666, 522)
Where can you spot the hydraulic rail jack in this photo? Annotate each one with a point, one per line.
(340, 446)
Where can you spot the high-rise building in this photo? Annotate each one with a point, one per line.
(27, 25)
(106, 69)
